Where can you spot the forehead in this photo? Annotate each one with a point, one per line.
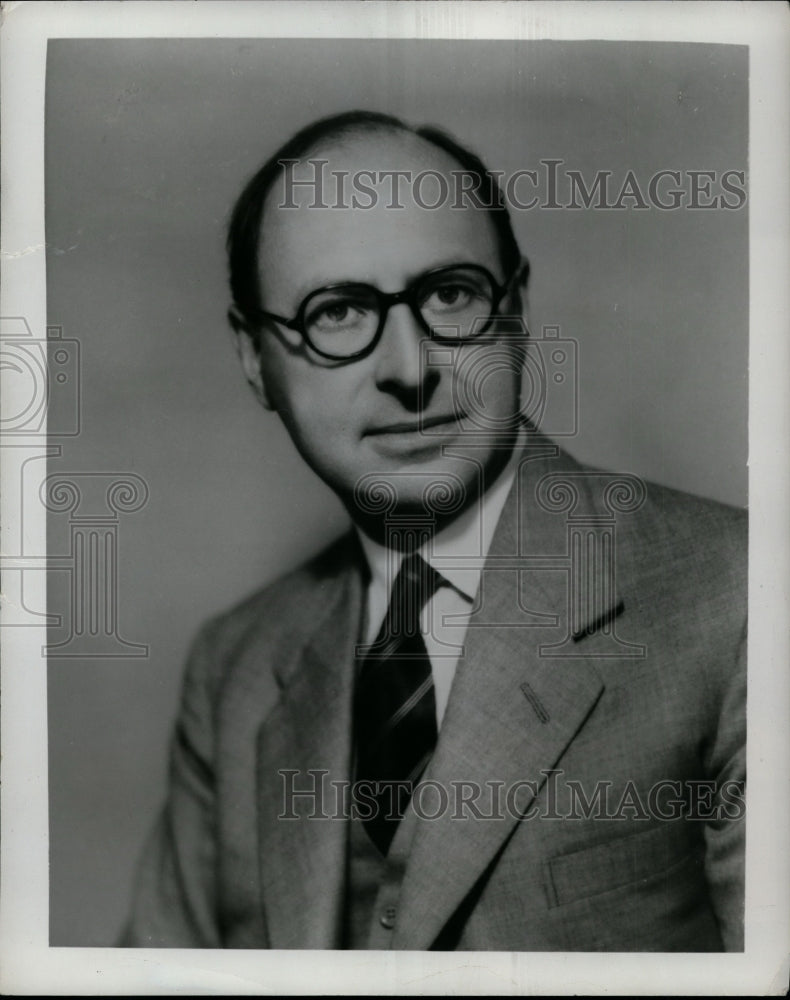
(377, 227)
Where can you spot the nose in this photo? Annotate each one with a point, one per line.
(398, 354)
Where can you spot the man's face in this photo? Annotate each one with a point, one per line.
(411, 416)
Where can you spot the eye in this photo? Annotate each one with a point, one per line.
(449, 295)
(333, 311)
(453, 294)
(336, 313)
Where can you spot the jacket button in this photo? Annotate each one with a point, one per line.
(387, 918)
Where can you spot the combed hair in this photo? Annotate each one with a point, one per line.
(244, 229)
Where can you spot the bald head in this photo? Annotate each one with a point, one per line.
(360, 143)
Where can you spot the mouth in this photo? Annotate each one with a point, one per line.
(416, 426)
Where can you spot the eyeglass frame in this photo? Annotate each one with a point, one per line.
(386, 300)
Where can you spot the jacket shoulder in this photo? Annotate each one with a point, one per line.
(276, 611)
(705, 538)
(682, 564)
(685, 562)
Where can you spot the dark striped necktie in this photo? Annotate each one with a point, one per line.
(394, 705)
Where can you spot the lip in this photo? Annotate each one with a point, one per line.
(414, 426)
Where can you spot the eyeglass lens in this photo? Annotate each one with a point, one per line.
(345, 319)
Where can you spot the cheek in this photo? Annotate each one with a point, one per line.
(487, 382)
(314, 403)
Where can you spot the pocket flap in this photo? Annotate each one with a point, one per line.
(617, 862)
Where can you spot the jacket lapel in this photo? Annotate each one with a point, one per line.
(512, 711)
(308, 735)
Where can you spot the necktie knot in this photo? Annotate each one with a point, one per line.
(416, 583)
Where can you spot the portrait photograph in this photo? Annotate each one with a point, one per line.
(395, 495)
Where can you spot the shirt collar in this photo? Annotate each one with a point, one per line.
(457, 551)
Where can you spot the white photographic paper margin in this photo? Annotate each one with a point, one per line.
(28, 965)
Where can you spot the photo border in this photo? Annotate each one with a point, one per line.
(28, 964)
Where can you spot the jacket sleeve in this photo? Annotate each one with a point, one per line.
(175, 892)
(725, 836)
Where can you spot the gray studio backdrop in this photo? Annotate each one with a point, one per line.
(147, 144)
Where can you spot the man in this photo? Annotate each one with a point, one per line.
(506, 711)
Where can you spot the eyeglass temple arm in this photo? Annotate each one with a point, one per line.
(238, 321)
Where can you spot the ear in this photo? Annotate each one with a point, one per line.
(523, 278)
(246, 343)
(519, 301)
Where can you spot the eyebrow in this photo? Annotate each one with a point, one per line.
(307, 289)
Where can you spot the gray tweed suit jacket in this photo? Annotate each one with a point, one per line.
(610, 708)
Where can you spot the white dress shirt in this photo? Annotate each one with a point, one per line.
(458, 553)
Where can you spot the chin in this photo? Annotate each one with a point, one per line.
(427, 497)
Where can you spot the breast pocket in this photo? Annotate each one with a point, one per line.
(641, 892)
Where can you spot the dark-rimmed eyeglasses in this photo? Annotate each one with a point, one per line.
(346, 320)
